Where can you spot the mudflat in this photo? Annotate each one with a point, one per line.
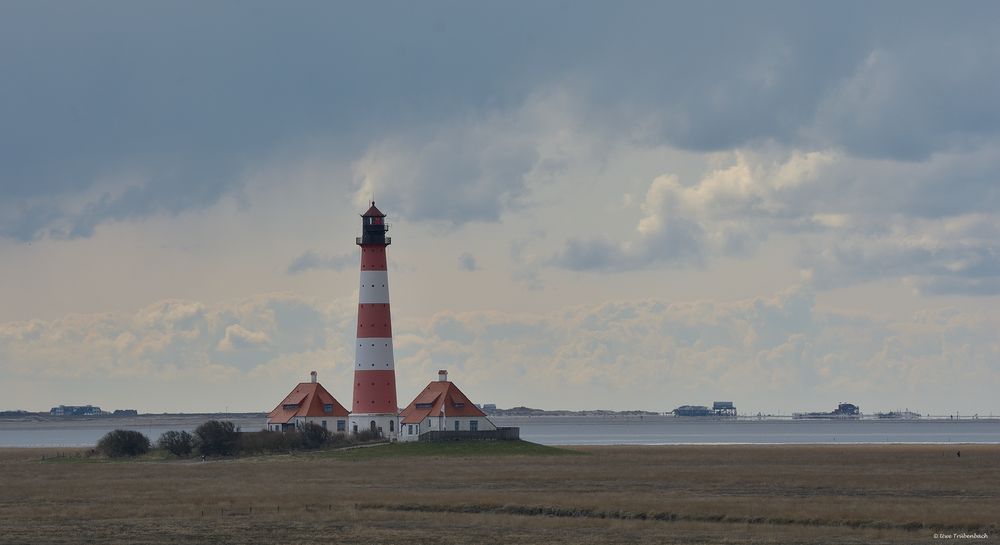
(510, 493)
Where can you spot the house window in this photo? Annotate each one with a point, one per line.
(473, 425)
(457, 425)
(341, 425)
(409, 429)
(392, 426)
(328, 408)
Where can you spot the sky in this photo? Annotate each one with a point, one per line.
(614, 205)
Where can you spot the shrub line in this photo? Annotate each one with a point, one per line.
(582, 512)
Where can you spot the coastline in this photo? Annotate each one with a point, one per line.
(67, 432)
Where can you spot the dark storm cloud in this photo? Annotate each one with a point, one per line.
(189, 93)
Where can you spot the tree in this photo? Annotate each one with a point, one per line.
(121, 443)
(178, 443)
(217, 438)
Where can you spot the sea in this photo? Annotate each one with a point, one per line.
(562, 430)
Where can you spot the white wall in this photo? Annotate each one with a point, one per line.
(363, 422)
(331, 423)
(436, 423)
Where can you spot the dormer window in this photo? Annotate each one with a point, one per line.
(424, 405)
(290, 406)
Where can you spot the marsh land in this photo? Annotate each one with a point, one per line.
(509, 493)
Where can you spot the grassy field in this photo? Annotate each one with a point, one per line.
(453, 493)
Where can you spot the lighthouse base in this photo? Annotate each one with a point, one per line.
(385, 425)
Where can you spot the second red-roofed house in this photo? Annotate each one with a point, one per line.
(441, 406)
(308, 402)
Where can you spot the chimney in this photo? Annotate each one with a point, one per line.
(443, 375)
(313, 376)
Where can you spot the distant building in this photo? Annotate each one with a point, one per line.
(844, 411)
(719, 408)
(724, 408)
(125, 412)
(308, 402)
(75, 410)
(693, 410)
(441, 406)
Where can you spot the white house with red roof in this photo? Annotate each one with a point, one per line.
(308, 402)
(441, 406)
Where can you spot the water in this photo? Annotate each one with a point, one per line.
(561, 430)
(85, 432)
(667, 430)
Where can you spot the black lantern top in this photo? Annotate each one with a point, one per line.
(373, 227)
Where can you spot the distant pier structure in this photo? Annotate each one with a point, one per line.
(723, 409)
(844, 411)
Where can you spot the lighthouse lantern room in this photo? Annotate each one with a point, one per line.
(374, 407)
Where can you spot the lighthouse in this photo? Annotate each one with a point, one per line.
(374, 406)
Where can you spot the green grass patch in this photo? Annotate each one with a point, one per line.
(450, 449)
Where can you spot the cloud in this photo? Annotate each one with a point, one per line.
(467, 262)
(452, 129)
(929, 223)
(943, 256)
(238, 337)
(776, 353)
(467, 171)
(311, 259)
(766, 353)
(729, 211)
(174, 337)
(932, 96)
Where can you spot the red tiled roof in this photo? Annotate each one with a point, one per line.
(437, 399)
(373, 212)
(307, 399)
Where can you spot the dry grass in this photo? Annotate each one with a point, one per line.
(668, 494)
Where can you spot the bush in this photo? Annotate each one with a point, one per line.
(339, 440)
(306, 437)
(178, 443)
(314, 436)
(217, 438)
(121, 443)
(266, 441)
(365, 436)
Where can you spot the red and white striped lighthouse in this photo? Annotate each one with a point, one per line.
(374, 406)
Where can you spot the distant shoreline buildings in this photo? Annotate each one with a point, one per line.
(89, 410)
(720, 409)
